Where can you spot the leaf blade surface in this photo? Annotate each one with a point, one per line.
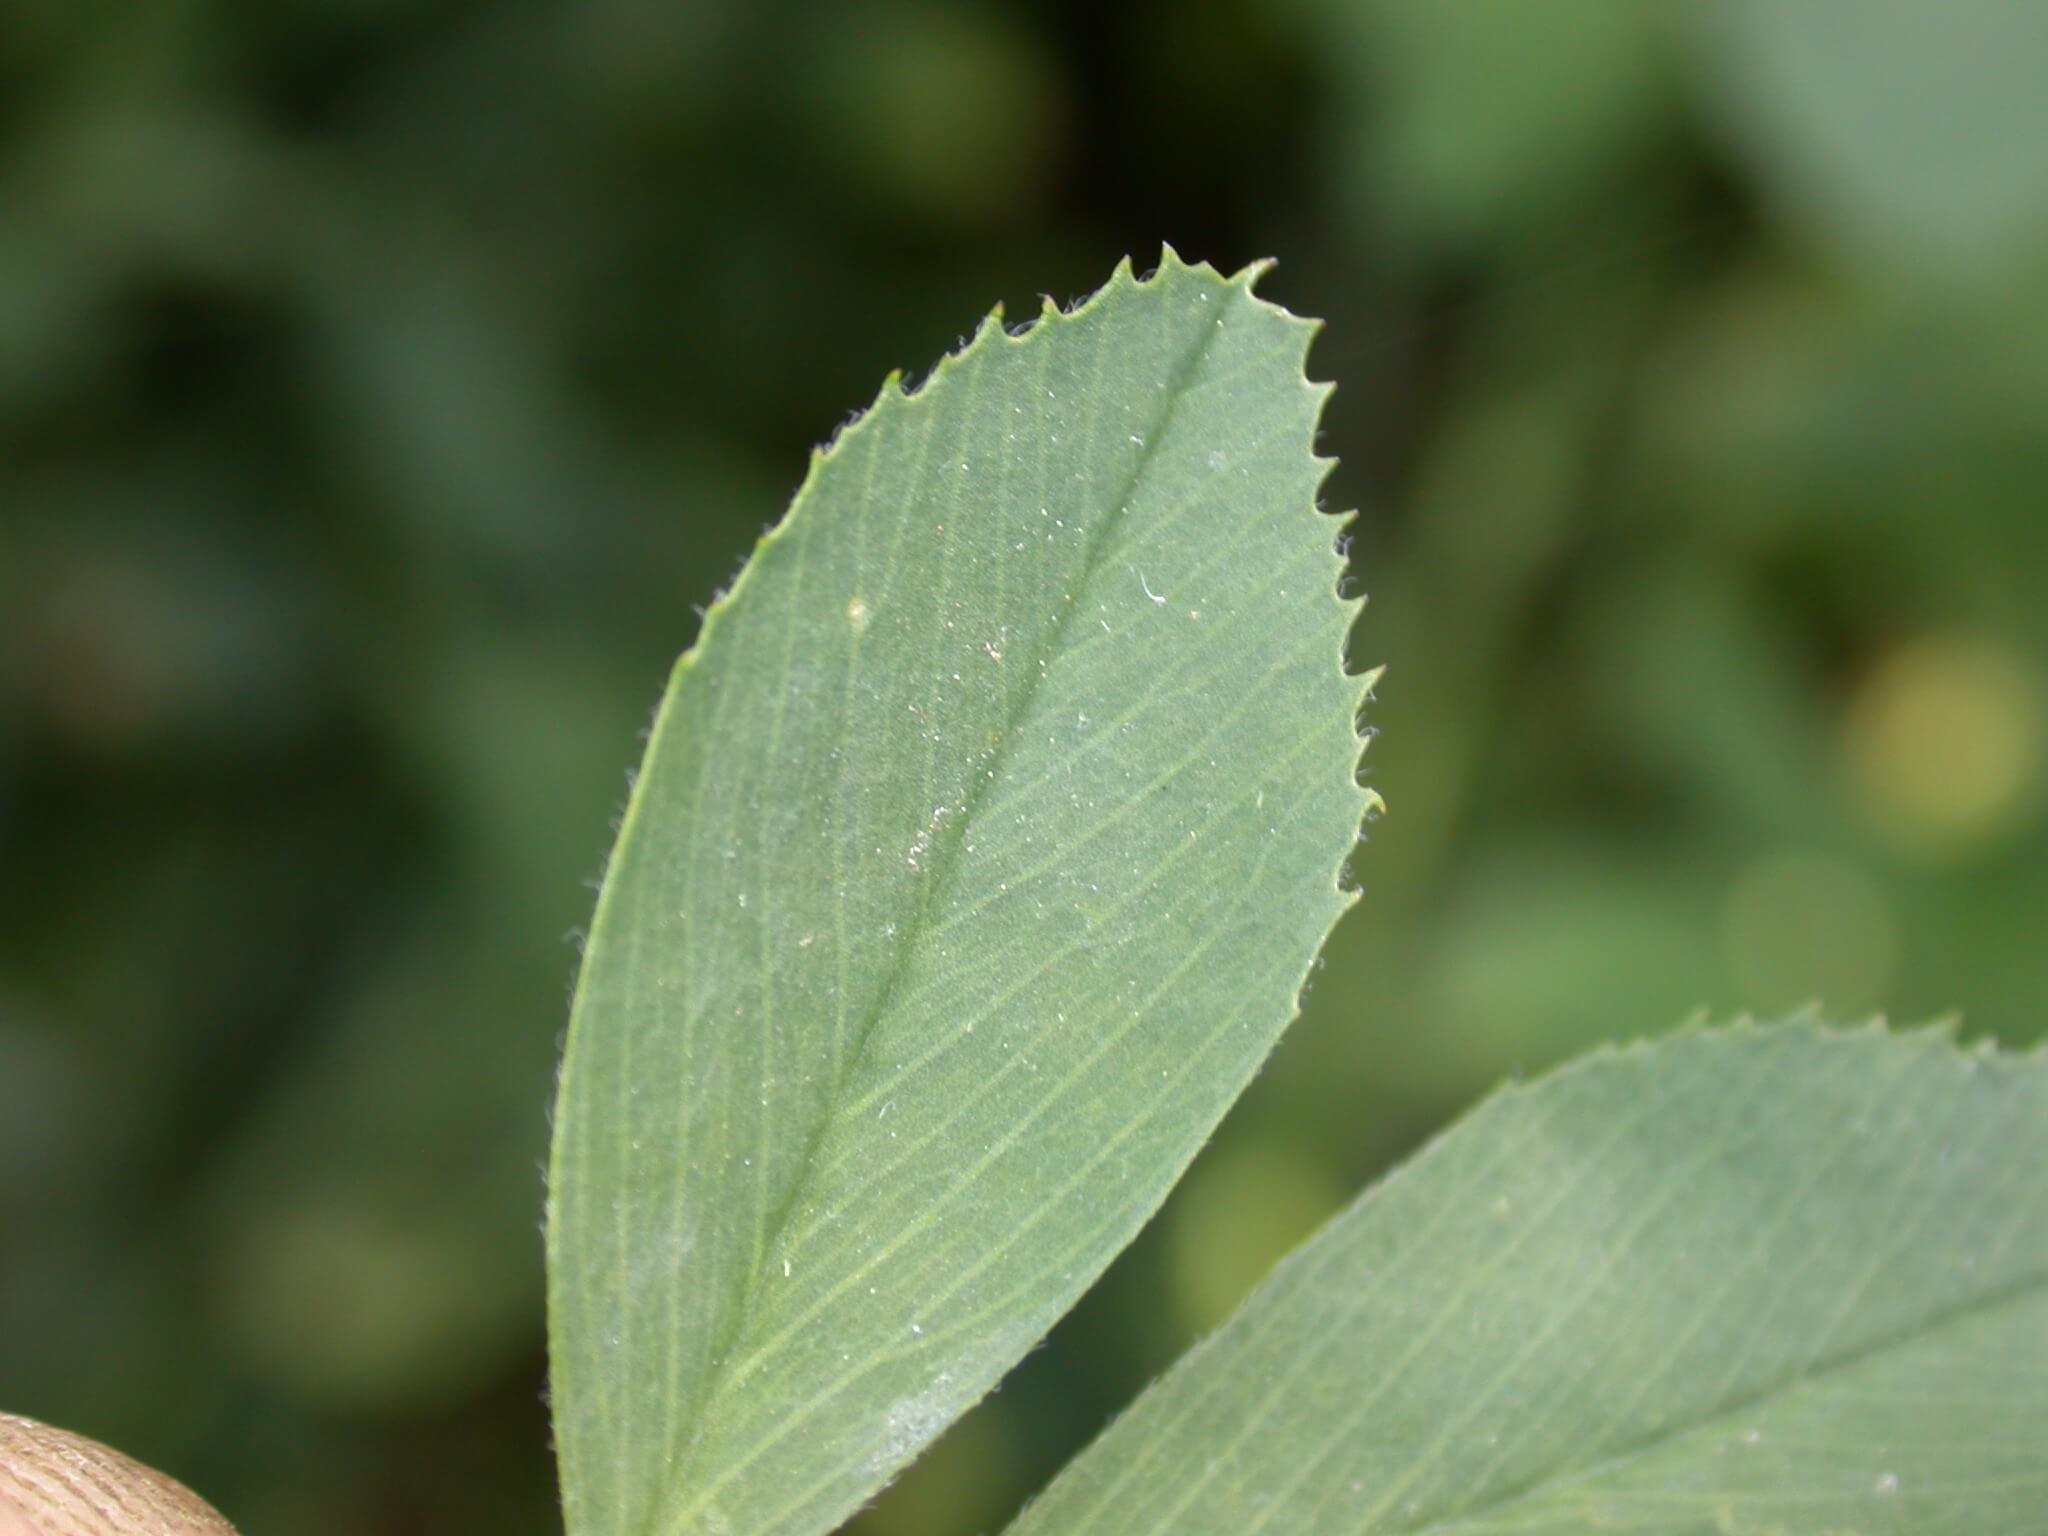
(981, 847)
(1785, 1281)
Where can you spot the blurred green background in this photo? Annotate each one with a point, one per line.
(382, 382)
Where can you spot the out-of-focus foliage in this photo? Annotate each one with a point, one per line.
(381, 384)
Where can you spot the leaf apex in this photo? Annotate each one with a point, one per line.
(1250, 273)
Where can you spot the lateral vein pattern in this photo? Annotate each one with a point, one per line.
(981, 849)
(1772, 1282)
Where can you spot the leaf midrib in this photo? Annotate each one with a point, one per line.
(2026, 1288)
(944, 866)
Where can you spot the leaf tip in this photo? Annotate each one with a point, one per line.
(1249, 274)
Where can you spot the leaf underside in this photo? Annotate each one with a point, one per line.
(1777, 1282)
(980, 851)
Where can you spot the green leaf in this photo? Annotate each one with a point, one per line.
(981, 849)
(1785, 1281)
